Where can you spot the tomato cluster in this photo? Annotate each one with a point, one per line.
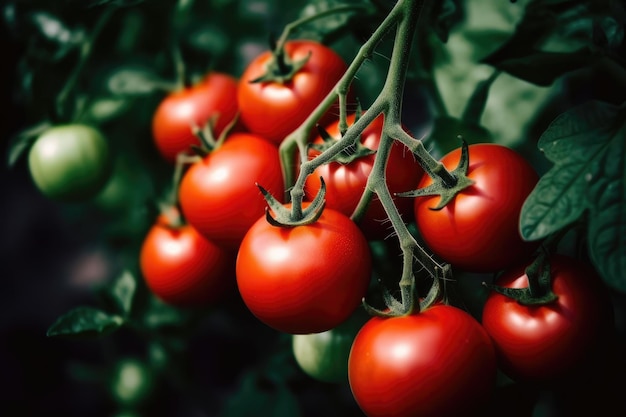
(309, 278)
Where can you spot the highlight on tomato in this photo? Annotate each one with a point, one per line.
(213, 99)
(275, 98)
(307, 278)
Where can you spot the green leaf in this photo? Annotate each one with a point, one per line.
(22, 141)
(123, 291)
(445, 15)
(325, 27)
(130, 81)
(445, 134)
(85, 322)
(588, 147)
(552, 39)
(607, 219)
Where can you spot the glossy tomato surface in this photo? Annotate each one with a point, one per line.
(478, 230)
(439, 362)
(183, 268)
(304, 279)
(345, 183)
(214, 96)
(274, 109)
(70, 162)
(219, 196)
(546, 342)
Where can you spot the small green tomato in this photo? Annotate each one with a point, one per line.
(70, 162)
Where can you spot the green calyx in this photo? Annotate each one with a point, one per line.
(285, 217)
(446, 184)
(347, 155)
(281, 68)
(539, 291)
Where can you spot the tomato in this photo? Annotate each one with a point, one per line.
(547, 341)
(214, 96)
(183, 268)
(70, 162)
(324, 356)
(274, 109)
(218, 195)
(439, 362)
(345, 183)
(304, 279)
(478, 230)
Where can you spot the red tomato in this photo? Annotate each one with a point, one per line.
(346, 183)
(304, 279)
(439, 362)
(214, 96)
(478, 230)
(219, 196)
(181, 267)
(545, 342)
(273, 109)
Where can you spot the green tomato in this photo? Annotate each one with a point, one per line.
(324, 356)
(70, 162)
(132, 381)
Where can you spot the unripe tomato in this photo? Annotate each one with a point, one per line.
(132, 382)
(70, 162)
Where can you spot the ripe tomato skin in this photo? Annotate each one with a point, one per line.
(183, 268)
(539, 343)
(70, 162)
(478, 230)
(215, 95)
(346, 183)
(273, 110)
(304, 279)
(439, 362)
(218, 195)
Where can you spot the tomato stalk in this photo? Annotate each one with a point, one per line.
(86, 49)
(539, 291)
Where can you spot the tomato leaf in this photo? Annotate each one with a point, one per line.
(445, 15)
(328, 26)
(137, 81)
(554, 38)
(446, 131)
(123, 291)
(21, 142)
(588, 147)
(85, 322)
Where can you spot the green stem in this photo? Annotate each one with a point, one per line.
(85, 51)
(290, 27)
(430, 165)
(297, 139)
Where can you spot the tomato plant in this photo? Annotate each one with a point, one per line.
(548, 341)
(346, 180)
(276, 107)
(304, 279)
(218, 195)
(182, 267)
(439, 362)
(70, 162)
(211, 100)
(471, 231)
